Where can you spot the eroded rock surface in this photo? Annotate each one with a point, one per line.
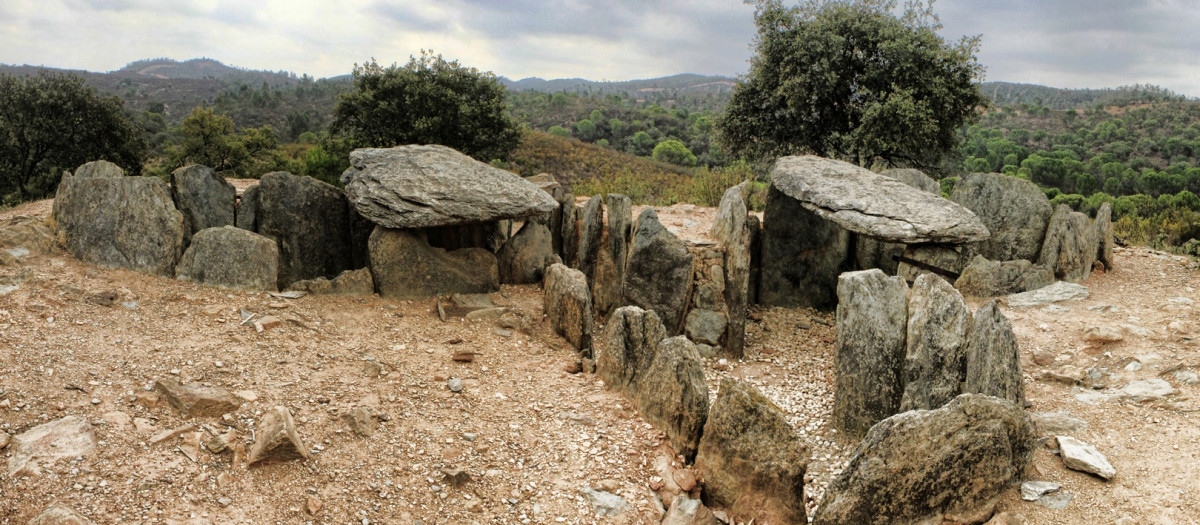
(231, 257)
(1014, 210)
(658, 274)
(872, 319)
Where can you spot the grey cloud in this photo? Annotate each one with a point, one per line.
(408, 16)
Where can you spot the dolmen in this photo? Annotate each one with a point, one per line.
(816, 208)
(440, 217)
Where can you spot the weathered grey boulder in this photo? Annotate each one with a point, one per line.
(993, 360)
(1071, 244)
(619, 210)
(547, 183)
(872, 315)
(310, 221)
(522, 260)
(205, 198)
(404, 266)
(916, 466)
(68, 437)
(706, 326)
(350, 282)
(566, 301)
(874, 205)
(936, 360)
(1056, 292)
(419, 186)
(591, 228)
(871, 253)
(114, 221)
(1014, 210)
(752, 459)
(985, 278)
(1104, 235)
(59, 514)
(802, 255)
(631, 341)
(246, 216)
(673, 396)
(658, 273)
(732, 229)
(231, 257)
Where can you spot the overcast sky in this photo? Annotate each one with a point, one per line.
(1061, 43)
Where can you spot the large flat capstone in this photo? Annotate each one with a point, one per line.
(874, 205)
(418, 186)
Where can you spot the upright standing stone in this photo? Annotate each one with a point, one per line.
(1104, 234)
(620, 221)
(404, 266)
(569, 232)
(936, 360)
(231, 257)
(916, 467)
(522, 260)
(756, 263)
(732, 229)
(591, 228)
(1071, 244)
(556, 221)
(993, 359)
(205, 198)
(110, 220)
(1014, 210)
(629, 346)
(246, 217)
(752, 459)
(568, 304)
(658, 274)
(310, 221)
(606, 283)
(802, 255)
(673, 396)
(872, 315)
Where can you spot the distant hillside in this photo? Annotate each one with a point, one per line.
(1009, 93)
(203, 68)
(686, 83)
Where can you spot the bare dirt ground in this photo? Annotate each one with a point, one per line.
(531, 435)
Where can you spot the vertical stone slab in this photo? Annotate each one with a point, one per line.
(204, 197)
(658, 274)
(1014, 210)
(673, 396)
(246, 216)
(591, 228)
(310, 221)
(568, 304)
(936, 359)
(752, 459)
(993, 358)
(630, 343)
(522, 260)
(620, 221)
(802, 255)
(732, 229)
(756, 241)
(872, 315)
(1071, 244)
(569, 231)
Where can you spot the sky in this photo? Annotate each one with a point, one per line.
(1060, 43)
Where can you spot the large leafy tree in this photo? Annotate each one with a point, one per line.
(51, 122)
(428, 101)
(849, 79)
